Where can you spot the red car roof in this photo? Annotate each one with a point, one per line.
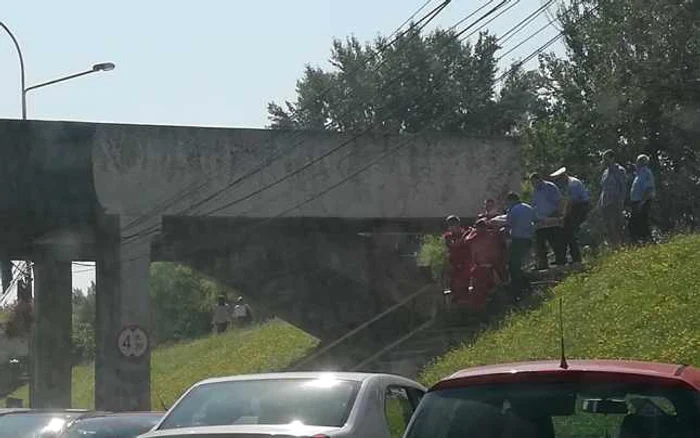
(551, 371)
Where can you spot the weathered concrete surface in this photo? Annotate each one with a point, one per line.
(51, 359)
(122, 383)
(107, 192)
(413, 177)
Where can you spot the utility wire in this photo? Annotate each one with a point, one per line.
(470, 34)
(542, 48)
(534, 34)
(249, 230)
(420, 25)
(524, 22)
(408, 20)
(482, 7)
(332, 150)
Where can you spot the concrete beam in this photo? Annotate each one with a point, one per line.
(51, 361)
(122, 371)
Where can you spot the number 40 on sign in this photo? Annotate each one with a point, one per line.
(132, 342)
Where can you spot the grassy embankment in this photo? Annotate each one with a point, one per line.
(267, 347)
(636, 304)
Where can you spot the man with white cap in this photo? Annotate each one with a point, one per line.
(578, 204)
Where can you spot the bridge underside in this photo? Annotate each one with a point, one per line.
(126, 195)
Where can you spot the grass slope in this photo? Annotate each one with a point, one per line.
(268, 347)
(636, 304)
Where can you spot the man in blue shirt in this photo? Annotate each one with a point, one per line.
(613, 192)
(547, 202)
(520, 221)
(642, 192)
(578, 204)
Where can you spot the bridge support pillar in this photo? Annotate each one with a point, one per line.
(123, 350)
(51, 361)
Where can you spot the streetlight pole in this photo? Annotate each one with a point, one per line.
(104, 66)
(21, 69)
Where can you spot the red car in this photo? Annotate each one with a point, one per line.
(596, 398)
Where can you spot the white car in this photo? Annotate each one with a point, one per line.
(309, 404)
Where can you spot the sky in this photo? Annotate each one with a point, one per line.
(206, 63)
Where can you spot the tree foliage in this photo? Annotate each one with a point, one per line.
(182, 301)
(630, 83)
(84, 323)
(420, 82)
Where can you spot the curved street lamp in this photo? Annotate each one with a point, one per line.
(21, 68)
(103, 66)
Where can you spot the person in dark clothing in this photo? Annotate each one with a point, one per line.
(222, 315)
(578, 205)
(520, 223)
(547, 202)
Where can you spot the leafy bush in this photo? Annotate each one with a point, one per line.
(433, 254)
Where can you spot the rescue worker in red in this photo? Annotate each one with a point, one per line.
(459, 269)
(487, 253)
(490, 210)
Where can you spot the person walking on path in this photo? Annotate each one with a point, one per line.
(578, 204)
(641, 194)
(242, 314)
(222, 316)
(520, 223)
(547, 202)
(613, 191)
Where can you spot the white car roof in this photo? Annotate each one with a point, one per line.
(340, 375)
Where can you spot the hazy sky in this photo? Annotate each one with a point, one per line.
(210, 63)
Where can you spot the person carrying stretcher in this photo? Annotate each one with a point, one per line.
(459, 256)
(487, 253)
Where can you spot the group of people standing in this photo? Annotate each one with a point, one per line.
(224, 314)
(560, 205)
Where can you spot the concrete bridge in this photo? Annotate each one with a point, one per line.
(305, 223)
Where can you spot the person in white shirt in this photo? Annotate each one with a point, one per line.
(222, 316)
(241, 313)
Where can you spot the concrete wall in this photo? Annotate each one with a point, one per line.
(141, 168)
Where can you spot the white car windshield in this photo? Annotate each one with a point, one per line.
(315, 402)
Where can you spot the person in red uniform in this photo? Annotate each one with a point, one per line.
(459, 258)
(490, 211)
(488, 262)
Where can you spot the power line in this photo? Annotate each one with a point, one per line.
(254, 193)
(317, 195)
(420, 25)
(524, 22)
(542, 48)
(332, 150)
(470, 34)
(482, 7)
(408, 20)
(534, 34)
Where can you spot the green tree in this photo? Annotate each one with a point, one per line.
(629, 83)
(421, 82)
(182, 301)
(84, 323)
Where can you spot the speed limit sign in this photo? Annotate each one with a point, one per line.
(132, 342)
